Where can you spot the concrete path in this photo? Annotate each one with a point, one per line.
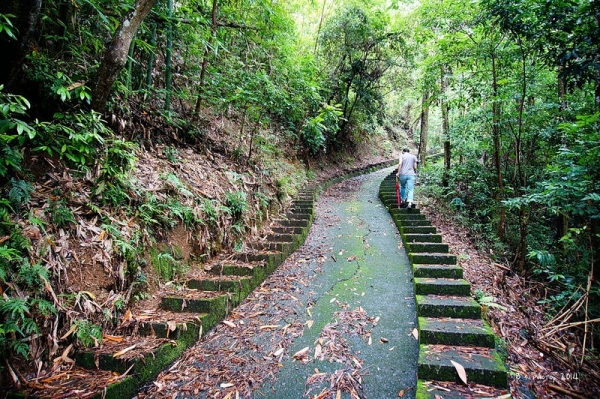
(362, 309)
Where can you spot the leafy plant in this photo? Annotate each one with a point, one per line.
(61, 214)
(236, 202)
(87, 333)
(20, 192)
(167, 266)
(487, 301)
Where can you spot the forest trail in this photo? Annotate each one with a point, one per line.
(337, 314)
(362, 306)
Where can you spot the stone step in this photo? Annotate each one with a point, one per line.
(219, 283)
(298, 216)
(437, 258)
(149, 352)
(447, 306)
(288, 230)
(404, 216)
(427, 247)
(271, 259)
(283, 247)
(437, 271)
(433, 238)
(258, 271)
(458, 332)
(482, 366)
(292, 223)
(442, 286)
(214, 303)
(279, 238)
(449, 390)
(413, 223)
(417, 230)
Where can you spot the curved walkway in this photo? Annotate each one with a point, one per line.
(362, 308)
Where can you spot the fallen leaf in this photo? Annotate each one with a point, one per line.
(124, 351)
(317, 350)
(229, 323)
(383, 340)
(172, 325)
(267, 327)
(301, 353)
(309, 323)
(226, 385)
(460, 370)
(370, 340)
(415, 333)
(401, 393)
(332, 300)
(278, 352)
(71, 331)
(112, 338)
(352, 258)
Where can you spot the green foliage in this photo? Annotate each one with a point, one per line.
(237, 203)
(487, 301)
(74, 137)
(316, 129)
(6, 26)
(211, 211)
(168, 264)
(61, 213)
(20, 192)
(88, 334)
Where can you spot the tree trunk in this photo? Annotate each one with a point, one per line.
(424, 128)
(445, 125)
(150, 66)
(211, 38)
(319, 27)
(496, 141)
(115, 55)
(26, 14)
(169, 56)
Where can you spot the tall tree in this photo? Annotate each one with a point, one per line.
(115, 55)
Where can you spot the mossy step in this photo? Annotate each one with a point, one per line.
(483, 366)
(272, 259)
(442, 286)
(288, 230)
(75, 383)
(427, 247)
(417, 230)
(437, 271)
(279, 238)
(215, 304)
(404, 216)
(410, 223)
(408, 238)
(447, 306)
(458, 332)
(293, 223)
(298, 216)
(258, 272)
(104, 358)
(447, 390)
(283, 247)
(235, 284)
(401, 211)
(437, 258)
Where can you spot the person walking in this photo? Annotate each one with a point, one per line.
(407, 171)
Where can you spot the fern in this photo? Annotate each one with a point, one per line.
(15, 308)
(20, 193)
